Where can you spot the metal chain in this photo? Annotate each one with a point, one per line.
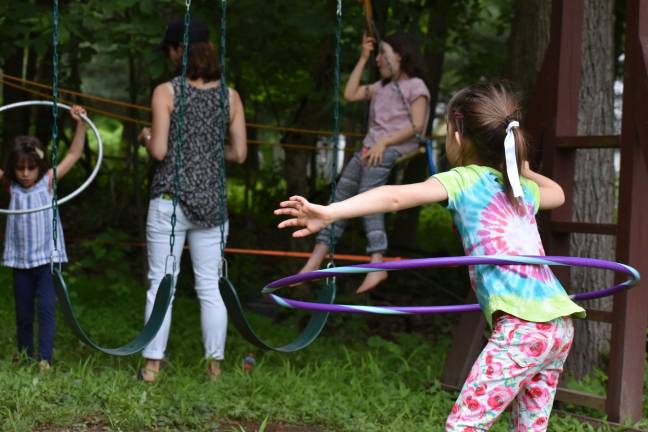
(336, 120)
(224, 102)
(55, 131)
(178, 144)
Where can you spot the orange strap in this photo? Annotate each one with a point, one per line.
(268, 252)
(368, 12)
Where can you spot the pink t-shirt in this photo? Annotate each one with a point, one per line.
(388, 114)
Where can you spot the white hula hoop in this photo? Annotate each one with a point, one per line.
(85, 184)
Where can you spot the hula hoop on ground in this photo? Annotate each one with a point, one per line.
(85, 184)
(633, 274)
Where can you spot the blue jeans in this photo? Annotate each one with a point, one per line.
(30, 284)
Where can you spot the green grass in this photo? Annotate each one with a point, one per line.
(349, 380)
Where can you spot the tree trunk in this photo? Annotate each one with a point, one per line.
(130, 133)
(594, 183)
(44, 117)
(528, 43)
(310, 115)
(15, 122)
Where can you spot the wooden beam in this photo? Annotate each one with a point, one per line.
(560, 88)
(467, 342)
(588, 142)
(599, 315)
(580, 398)
(605, 424)
(583, 227)
(628, 350)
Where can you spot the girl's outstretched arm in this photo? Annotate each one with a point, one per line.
(313, 217)
(78, 142)
(551, 193)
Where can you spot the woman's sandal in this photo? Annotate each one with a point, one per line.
(214, 369)
(147, 374)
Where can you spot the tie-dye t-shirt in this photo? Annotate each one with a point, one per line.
(489, 225)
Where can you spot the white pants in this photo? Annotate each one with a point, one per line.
(205, 250)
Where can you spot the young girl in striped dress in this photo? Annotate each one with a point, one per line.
(28, 237)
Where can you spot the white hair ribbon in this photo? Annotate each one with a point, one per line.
(511, 162)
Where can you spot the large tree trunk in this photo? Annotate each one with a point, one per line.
(594, 183)
(528, 43)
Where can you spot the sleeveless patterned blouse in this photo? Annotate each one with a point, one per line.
(201, 154)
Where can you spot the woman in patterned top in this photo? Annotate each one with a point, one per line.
(28, 245)
(397, 113)
(201, 213)
(494, 211)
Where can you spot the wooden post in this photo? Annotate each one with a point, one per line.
(554, 113)
(628, 348)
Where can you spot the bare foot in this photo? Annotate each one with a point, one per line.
(371, 281)
(314, 261)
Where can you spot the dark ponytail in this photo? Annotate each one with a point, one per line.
(481, 113)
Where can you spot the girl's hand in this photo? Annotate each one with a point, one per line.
(144, 136)
(312, 217)
(76, 112)
(374, 155)
(367, 46)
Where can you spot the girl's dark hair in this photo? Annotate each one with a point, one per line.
(411, 59)
(202, 62)
(481, 114)
(26, 151)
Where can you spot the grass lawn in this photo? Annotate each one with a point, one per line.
(351, 379)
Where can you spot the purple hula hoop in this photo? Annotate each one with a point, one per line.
(442, 262)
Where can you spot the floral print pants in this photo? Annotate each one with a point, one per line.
(519, 366)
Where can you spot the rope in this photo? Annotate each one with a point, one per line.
(123, 104)
(121, 117)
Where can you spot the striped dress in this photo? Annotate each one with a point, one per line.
(28, 237)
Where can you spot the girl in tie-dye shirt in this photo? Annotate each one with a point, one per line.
(494, 210)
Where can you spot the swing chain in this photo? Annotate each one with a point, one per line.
(224, 103)
(55, 131)
(181, 127)
(336, 120)
(173, 264)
